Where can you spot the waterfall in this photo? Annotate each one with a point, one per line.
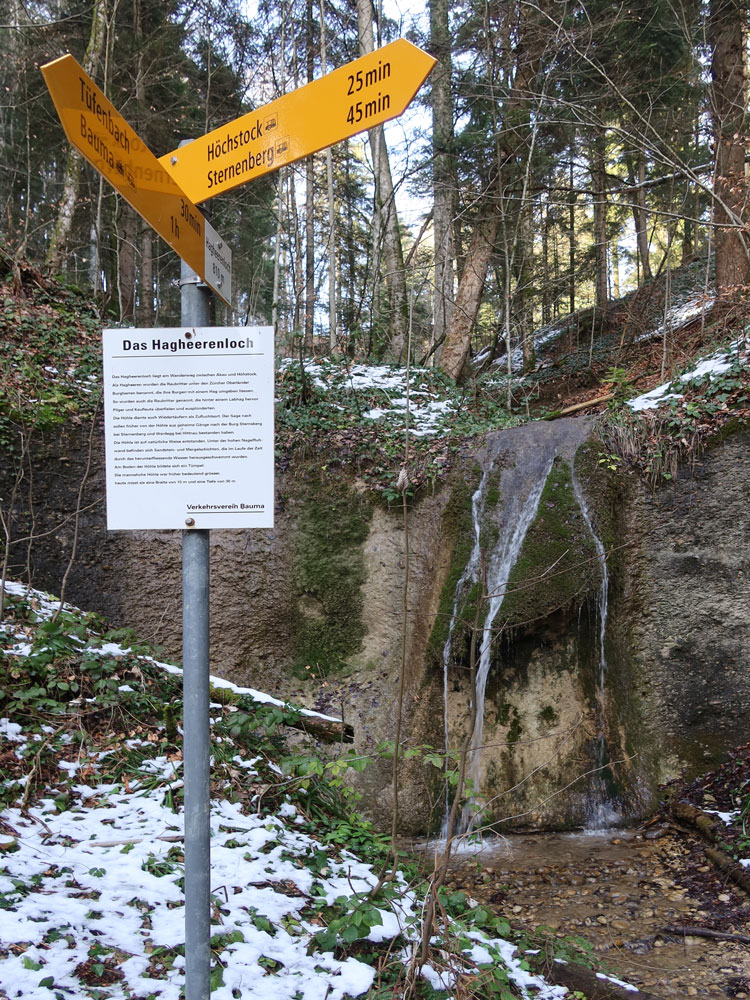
(602, 811)
(518, 513)
(499, 567)
(470, 574)
(515, 466)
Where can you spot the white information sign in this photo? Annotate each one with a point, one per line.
(189, 432)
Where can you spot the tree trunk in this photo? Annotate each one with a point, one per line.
(548, 278)
(296, 252)
(726, 31)
(309, 252)
(523, 284)
(281, 176)
(309, 201)
(395, 274)
(599, 180)
(126, 261)
(332, 324)
(640, 218)
(514, 148)
(469, 296)
(443, 173)
(72, 177)
(145, 310)
(353, 303)
(616, 269)
(280, 189)
(571, 238)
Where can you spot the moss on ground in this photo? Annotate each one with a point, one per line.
(329, 572)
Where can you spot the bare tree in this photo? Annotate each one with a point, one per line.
(727, 35)
(385, 206)
(72, 179)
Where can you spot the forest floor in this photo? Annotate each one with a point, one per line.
(620, 892)
(91, 845)
(649, 901)
(582, 360)
(91, 830)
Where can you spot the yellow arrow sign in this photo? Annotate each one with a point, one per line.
(358, 96)
(101, 134)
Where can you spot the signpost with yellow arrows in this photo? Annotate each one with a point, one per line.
(358, 96)
(101, 134)
(364, 93)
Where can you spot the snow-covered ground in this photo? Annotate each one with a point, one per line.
(715, 364)
(544, 335)
(90, 885)
(100, 879)
(427, 411)
(48, 605)
(679, 315)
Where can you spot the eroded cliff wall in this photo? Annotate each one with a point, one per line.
(327, 608)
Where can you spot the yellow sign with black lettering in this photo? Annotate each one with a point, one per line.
(358, 96)
(101, 134)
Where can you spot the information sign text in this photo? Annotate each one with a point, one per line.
(189, 427)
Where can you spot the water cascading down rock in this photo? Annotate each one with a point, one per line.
(603, 810)
(548, 705)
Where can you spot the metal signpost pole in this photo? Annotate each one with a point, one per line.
(195, 299)
(284, 131)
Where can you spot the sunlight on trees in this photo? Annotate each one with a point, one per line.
(566, 154)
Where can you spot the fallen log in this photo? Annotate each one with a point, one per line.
(685, 812)
(580, 406)
(592, 984)
(707, 932)
(327, 730)
(714, 833)
(734, 871)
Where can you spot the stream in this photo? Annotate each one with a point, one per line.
(618, 890)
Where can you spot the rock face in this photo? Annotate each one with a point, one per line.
(688, 580)
(600, 679)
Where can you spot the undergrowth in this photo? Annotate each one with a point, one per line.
(658, 441)
(322, 407)
(93, 708)
(50, 365)
(50, 352)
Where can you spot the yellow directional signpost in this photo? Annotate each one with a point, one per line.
(361, 95)
(358, 96)
(101, 134)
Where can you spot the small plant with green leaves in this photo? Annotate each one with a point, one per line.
(609, 460)
(620, 382)
(348, 919)
(741, 847)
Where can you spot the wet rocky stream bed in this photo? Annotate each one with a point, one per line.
(634, 896)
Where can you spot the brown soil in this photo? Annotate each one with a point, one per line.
(620, 892)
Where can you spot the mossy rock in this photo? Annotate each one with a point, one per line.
(607, 491)
(329, 572)
(558, 564)
(457, 527)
